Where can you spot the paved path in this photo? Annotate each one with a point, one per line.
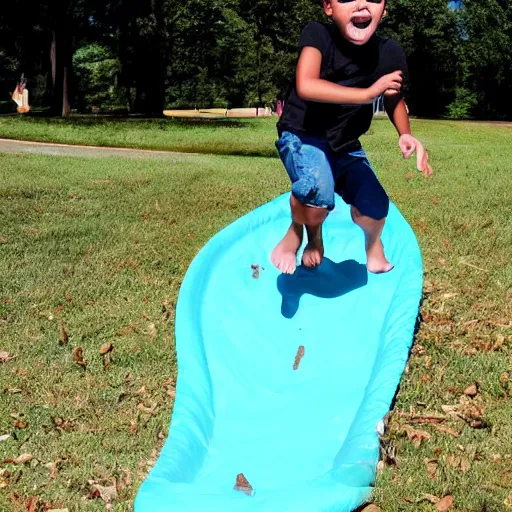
(18, 146)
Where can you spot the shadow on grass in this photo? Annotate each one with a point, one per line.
(116, 119)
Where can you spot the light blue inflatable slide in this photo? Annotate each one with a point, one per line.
(301, 431)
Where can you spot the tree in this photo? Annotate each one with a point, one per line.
(428, 32)
(485, 69)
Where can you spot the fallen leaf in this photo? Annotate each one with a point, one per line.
(371, 508)
(22, 459)
(465, 464)
(12, 390)
(32, 504)
(444, 504)
(140, 391)
(106, 493)
(152, 330)
(64, 338)
(133, 428)
(106, 348)
(242, 484)
(415, 436)
(170, 387)
(148, 410)
(418, 418)
(431, 468)
(63, 424)
(5, 357)
(444, 429)
(106, 352)
(430, 497)
(505, 381)
(442, 261)
(53, 470)
(453, 461)
(298, 357)
(124, 480)
(472, 390)
(20, 424)
(418, 350)
(78, 357)
(409, 176)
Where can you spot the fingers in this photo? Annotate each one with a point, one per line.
(407, 146)
(408, 150)
(428, 171)
(421, 157)
(422, 161)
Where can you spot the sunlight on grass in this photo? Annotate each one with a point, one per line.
(98, 248)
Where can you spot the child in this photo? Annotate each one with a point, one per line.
(343, 66)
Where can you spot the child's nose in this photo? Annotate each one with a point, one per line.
(361, 4)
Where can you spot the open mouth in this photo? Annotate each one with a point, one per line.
(361, 23)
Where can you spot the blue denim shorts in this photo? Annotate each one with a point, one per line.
(317, 173)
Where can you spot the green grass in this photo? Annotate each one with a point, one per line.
(97, 245)
(222, 137)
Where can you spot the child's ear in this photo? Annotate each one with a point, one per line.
(327, 7)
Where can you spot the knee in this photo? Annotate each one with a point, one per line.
(307, 215)
(355, 213)
(315, 216)
(376, 210)
(362, 219)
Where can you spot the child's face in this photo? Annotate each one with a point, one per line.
(357, 20)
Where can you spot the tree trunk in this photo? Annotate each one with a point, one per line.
(60, 57)
(53, 59)
(65, 92)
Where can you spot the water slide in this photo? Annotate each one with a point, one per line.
(284, 379)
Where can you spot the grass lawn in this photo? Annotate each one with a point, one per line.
(225, 137)
(98, 248)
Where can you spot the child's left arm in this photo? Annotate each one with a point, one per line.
(397, 113)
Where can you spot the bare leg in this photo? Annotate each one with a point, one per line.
(376, 261)
(285, 253)
(314, 251)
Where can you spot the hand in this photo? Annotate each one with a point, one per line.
(408, 145)
(389, 85)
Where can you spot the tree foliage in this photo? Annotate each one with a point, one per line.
(147, 55)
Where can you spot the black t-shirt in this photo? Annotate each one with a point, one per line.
(348, 65)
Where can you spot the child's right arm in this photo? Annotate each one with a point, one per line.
(311, 87)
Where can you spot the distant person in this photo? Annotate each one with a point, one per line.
(343, 67)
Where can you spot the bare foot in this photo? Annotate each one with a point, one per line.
(314, 252)
(376, 261)
(284, 255)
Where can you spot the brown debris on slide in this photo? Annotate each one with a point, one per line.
(298, 357)
(242, 484)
